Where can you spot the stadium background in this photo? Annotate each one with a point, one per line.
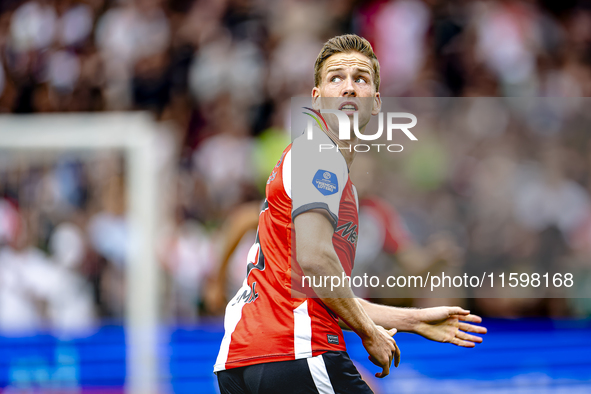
(220, 76)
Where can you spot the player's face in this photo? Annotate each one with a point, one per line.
(347, 85)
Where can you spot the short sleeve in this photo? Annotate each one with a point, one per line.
(318, 177)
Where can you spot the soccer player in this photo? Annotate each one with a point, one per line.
(278, 338)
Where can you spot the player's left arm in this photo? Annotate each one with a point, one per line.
(448, 324)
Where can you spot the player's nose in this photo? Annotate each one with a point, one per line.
(349, 88)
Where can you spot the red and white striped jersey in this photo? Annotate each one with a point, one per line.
(264, 322)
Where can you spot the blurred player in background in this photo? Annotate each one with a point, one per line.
(275, 342)
(386, 246)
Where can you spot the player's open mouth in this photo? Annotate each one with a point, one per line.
(348, 106)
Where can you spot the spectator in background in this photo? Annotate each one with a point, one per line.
(178, 59)
(26, 279)
(225, 159)
(399, 30)
(2, 78)
(187, 255)
(545, 198)
(126, 35)
(71, 304)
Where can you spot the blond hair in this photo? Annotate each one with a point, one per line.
(344, 44)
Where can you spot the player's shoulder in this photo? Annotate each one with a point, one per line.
(317, 174)
(311, 142)
(318, 151)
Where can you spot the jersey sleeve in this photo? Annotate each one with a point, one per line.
(318, 178)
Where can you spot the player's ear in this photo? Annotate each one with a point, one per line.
(316, 98)
(377, 104)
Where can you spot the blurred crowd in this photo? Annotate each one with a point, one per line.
(494, 185)
(220, 74)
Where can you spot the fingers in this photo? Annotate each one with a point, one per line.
(385, 367)
(396, 355)
(471, 328)
(374, 361)
(468, 337)
(385, 371)
(395, 350)
(456, 310)
(470, 318)
(461, 343)
(383, 351)
(391, 357)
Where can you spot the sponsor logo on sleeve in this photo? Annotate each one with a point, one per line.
(334, 339)
(326, 182)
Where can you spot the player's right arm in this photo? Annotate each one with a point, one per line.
(317, 257)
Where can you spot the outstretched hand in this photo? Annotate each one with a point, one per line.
(449, 325)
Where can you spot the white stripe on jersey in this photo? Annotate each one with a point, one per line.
(233, 316)
(287, 173)
(320, 375)
(302, 331)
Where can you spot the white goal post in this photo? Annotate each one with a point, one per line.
(135, 134)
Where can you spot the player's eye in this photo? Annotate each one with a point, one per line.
(360, 80)
(336, 79)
